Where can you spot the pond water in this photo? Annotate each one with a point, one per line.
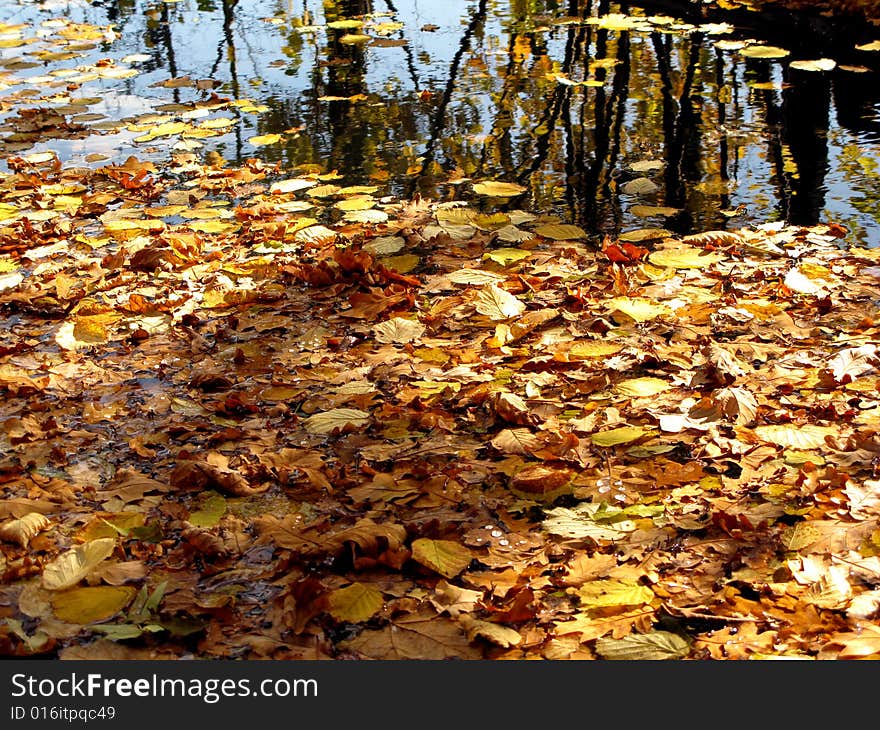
(619, 117)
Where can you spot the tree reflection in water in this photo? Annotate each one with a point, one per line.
(539, 93)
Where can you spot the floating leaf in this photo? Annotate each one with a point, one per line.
(819, 64)
(71, 567)
(561, 231)
(355, 603)
(872, 46)
(657, 645)
(291, 185)
(337, 418)
(24, 528)
(498, 189)
(398, 330)
(643, 234)
(764, 52)
(497, 303)
(640, 186)
(616, 436)
(446, 557)
(90, 604)
(265, 139)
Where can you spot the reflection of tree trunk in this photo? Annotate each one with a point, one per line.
(805, 128)
(407, 50)
(346, 69)
(438, 123)
(680, 127)
(609, 111)
(776, 145)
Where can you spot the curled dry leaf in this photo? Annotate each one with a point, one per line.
(71, 567)
(24, 528)
(200, 475)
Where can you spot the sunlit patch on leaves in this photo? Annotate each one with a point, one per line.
(336, 419)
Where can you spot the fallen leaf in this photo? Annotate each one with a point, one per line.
(71, 567)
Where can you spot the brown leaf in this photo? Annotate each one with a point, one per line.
(200, 475)
(423, 635)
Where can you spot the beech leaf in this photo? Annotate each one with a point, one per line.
(71, 567)
(657, 645)
(90, 604)
(442, 556)
(355, 603)
(336, 419)
(497, 303)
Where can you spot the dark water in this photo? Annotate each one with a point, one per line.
(604, 121)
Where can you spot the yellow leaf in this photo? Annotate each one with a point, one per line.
(443, 556)
(764, 52)
(398, 330)
(795, 436)
(498, 189)
(336, 418)
(91, 604)
(684, 257)
(641, 387)
(622, 435)
(24, 528)
(355, 603)
(561, 231)
(611, 592)
(71, 567)
(637, 308)
(358, 202)
(264, 139)
(496, 633)
(593, 348)
(497, 303)
(291, 185)
(218, 123)
(657, 645)
(506, 256)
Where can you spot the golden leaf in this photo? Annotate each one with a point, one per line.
(355, 603)
(497, 303)
(91, 604)
(336, 419)
(71, 567)
(443, 556)
(498, 189)
(24, 528)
